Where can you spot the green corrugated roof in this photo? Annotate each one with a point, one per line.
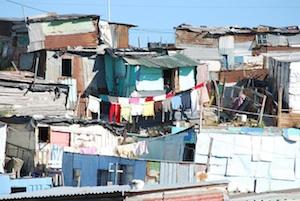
(174, 61)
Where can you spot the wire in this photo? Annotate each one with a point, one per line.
(26, 6)
(151, 31)
(171, 6)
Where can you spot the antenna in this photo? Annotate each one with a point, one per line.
(108, 9)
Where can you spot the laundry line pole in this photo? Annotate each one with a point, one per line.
(108, 10)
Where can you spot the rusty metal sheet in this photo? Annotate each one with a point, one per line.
(236, 75)
(72, 40)
(122, 36)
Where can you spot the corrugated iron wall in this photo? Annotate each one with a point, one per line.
(171, 173)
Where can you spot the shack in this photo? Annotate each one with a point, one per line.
(97, 170)
(252, 159)
(13, 42)
(40, 141)
(148, 75)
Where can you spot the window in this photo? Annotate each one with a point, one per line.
(66, 67)
(171, 79)
(104, 178)
(76, 177)
(44, 134)
(261, 39)
(189, 152)
(126, 176)
(18, 189)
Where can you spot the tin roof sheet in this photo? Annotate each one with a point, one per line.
(67, 191)
(174, 61)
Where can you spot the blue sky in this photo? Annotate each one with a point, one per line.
(157, 18)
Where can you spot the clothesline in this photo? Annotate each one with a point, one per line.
(136, 99)
(125, 107)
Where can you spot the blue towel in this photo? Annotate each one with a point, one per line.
(176, 102)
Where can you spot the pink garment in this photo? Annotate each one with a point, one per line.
(134, 100)
(238, 101)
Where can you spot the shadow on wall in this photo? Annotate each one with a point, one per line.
(98, 84)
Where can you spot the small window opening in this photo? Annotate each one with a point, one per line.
(66, 67)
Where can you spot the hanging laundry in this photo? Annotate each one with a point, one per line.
(141, 148)
(158, 106)
(126, 112)
(113, 99)
(115, 112)
(149, 98)
(133, 149)
(169, 95)
(195, 101)
(94, 104)
(198, 86)
(167, 110)
(167, 107)
(136, 109)
(176, 102)
(148, 110)
(134, 100)
(123, 101)
(186, 100)
(159, 98)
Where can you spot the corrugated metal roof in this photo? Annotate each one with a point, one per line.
(174, 61)
(158, 187)
(199, 53)
(55, 16)
(68, 191)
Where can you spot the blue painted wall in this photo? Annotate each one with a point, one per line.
(90, 164)
(175, 145)
(31, 184)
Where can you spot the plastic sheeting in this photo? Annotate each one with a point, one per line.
(282, 168)
(149, 79)
(271, 160)
(186, 78)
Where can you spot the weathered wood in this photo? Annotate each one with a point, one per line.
(262, 109)
(217, 98)
(209, 154)
(279, 110)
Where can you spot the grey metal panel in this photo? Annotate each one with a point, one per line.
(177, 173)
(294, 40)
(200, 53)
(277, 40)
(53, 66)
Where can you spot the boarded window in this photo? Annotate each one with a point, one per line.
(66, 67)
(44, 134)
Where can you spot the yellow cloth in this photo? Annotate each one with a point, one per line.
(126, 112)
(148, 110)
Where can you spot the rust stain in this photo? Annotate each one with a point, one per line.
(77, 73)
(122, 36)
(72, 40)
(236, 75)
(195, 38)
